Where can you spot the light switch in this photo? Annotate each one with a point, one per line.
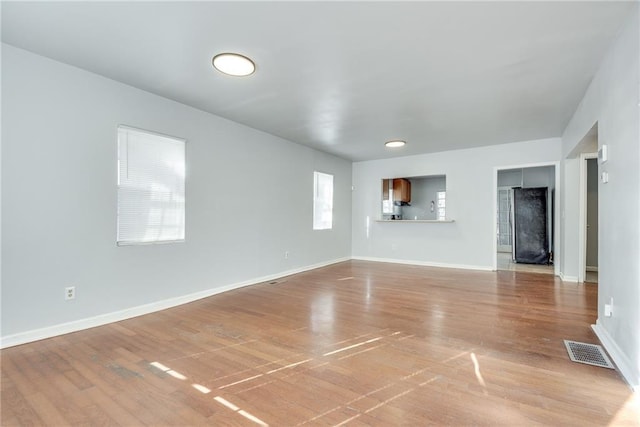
(604, 177)
(603, 154)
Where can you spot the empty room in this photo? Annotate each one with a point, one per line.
(320, 213)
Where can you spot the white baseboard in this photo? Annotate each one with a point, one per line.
(592, 268)
(622, 362)
(568, 278)
(116, 316)
(424, 263)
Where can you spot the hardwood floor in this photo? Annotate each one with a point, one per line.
(356, 343)
(505, 262)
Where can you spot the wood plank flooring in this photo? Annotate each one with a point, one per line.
(355, 343)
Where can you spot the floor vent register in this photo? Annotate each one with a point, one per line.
(591, 354)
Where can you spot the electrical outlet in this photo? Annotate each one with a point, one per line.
(608, 308)
(286, 254)
(70, 292)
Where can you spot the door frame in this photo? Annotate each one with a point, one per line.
(582, 215)
(556, 214)
(510, 217)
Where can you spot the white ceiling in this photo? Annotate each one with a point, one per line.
(344, 77)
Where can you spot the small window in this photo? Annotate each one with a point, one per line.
(151, 187)
(322, 201)
(442, 204)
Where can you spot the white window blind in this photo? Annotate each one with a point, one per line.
(151, 187)
(322, 201)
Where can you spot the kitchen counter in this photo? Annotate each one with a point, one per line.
(416, 220)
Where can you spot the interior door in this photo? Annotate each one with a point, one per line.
(504, 219)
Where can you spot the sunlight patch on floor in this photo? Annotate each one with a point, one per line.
(201, 388)
(628, 412)
(241, 381)
(242, 412)
(476, 369)
(168, 370)
(352, 346)
(291, 365)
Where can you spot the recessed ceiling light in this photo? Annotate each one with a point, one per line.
(233, 64)
(395, 143)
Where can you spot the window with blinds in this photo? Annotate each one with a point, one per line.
(442, 205)
(151, 187)
(322, 201)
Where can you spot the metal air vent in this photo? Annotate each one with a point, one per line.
(591, 354)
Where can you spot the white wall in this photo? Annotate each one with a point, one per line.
(249, 199)
(470, 174)
(612, 100)
(542, 176)
(510, 178)
(569, 202)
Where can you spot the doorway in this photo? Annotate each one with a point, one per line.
(509, 181)
(591, 177)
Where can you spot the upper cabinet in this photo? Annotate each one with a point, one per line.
(396, 190)
(401, 190)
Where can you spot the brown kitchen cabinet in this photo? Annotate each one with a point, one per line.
(401, 190)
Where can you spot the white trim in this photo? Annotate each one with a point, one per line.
(150, 132)
(494, 206)
(424, 263)
(592, 268)
(428, 221)
(501, 248)
(582, 215)
(147, 243)
(116, 316)
(622, 362)
(564, 278)
(557, 207)
(556, 217)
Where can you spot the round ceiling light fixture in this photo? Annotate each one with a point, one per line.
(396, 143)
(234, 64)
